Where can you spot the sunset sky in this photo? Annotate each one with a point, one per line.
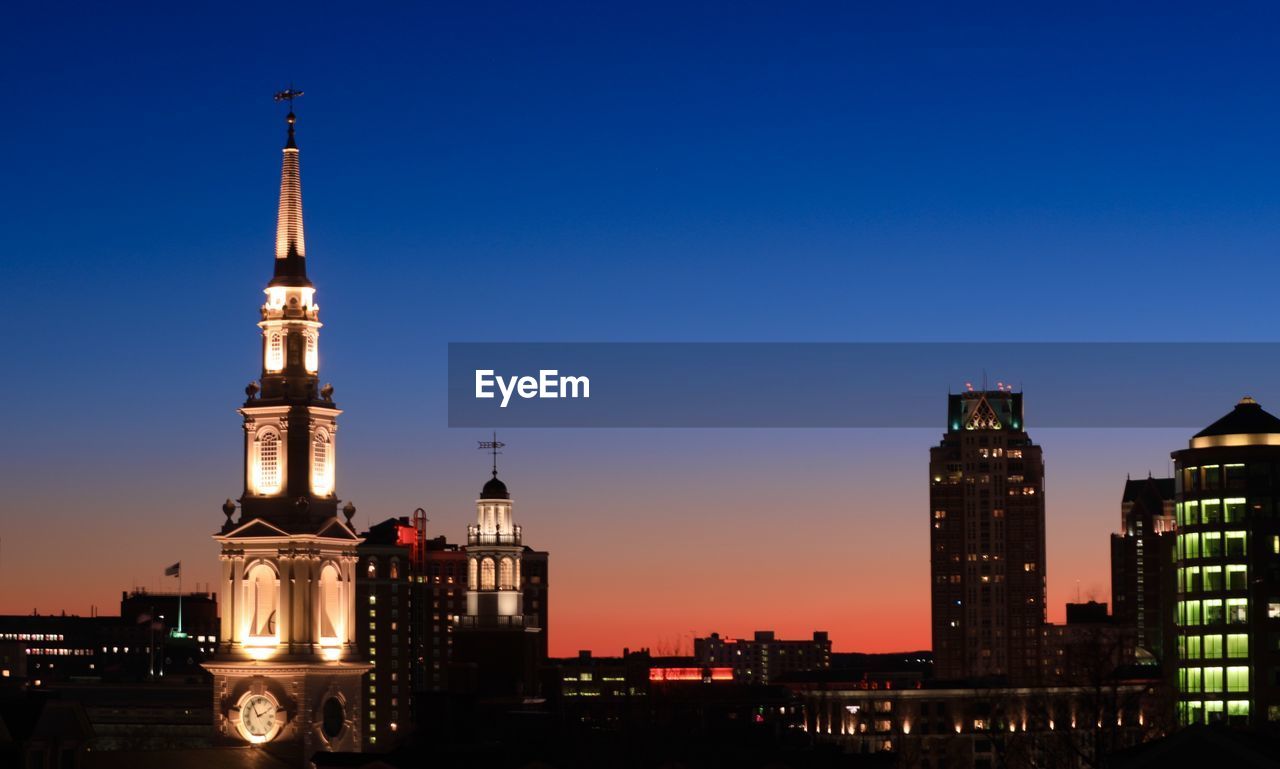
(486, 172)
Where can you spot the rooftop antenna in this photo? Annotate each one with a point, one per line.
(493, 446)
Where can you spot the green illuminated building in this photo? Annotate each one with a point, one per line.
(1227, 570)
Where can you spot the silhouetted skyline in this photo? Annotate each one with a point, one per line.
(608, 175)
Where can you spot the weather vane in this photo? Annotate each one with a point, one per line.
(493, 446)
(288, 95)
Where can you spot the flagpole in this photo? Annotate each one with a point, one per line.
(179, 599)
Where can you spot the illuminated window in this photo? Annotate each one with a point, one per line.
(275, 352)
(1235, 543)
(1213, 679)
(1191, 513)
(1237, 709)
(1237, 576)
(261, 591)
(1211, 511)
(1212, 578)
(1238, 645)
(1212, 545)
(1189, 680)
(1238, 678)
(1193, 613)
(1213, 647)
(321, 467)
(1213, 611)
(1192, 647)
(268, 462)
(1192, 579)
(487, 574)
(371, 568)
(394, 570)
(312, 355)
(331, 617)
(506, 574)
(473, 579)
(1235, 510)
(1212, 476)
(1237, 611)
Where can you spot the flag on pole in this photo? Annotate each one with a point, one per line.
(174, 570)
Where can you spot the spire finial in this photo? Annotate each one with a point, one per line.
(493, 446)
(291, 250)
(289, 94)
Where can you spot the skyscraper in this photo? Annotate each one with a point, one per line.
(1141, 565)
(1227, 560)
(987, 560)
(287, 669)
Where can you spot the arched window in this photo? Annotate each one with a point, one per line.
(371, 569)
(394, 571)
(321, 467)
(313, 354)
(473, 580)
(275, 351)
(331, 619)
(486, 574)
(506, 574)
(261, 591)
(268, 462)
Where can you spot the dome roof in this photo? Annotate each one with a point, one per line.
(1247, 418)
(495, 489)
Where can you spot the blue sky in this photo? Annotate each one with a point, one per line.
(584, 173)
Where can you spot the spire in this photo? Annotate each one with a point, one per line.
(291, 248)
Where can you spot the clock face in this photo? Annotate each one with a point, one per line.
(258, 715)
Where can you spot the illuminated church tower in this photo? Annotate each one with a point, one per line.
(287, 669)
(493, 560)
(498, 649)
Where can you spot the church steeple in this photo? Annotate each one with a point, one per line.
(290, 420)
(291, 246)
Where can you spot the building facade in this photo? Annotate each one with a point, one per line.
(1142, 565)
(942, 727)
(385, 586)
(287, 668)
(1227, 561)
(987, 563)
(764, 658)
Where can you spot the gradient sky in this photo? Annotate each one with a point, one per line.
(478, 172)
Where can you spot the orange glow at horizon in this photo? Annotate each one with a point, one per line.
(655, 537)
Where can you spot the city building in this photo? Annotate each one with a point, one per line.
(763, 658)
(1227, 560)
(940, 726)
(1142, 565)
(1089, 650)
(140, 643)
(497, 648)
(987, 561)
(385, 587)
(444, 601)
(413, 592)
(288, 669)
(534, 579)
